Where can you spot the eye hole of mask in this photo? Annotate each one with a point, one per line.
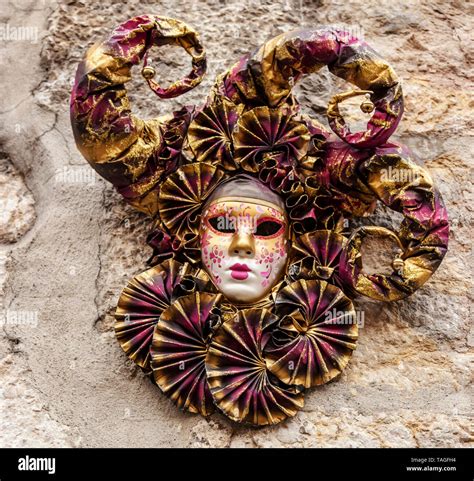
(221, 224)
(268, 228)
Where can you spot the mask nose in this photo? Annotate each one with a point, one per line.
(242, 245)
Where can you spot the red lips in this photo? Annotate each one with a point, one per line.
(240, 267)
(240, 272)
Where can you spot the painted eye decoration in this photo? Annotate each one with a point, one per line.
(268, 228)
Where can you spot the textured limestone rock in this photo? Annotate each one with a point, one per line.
(17, 213)
(210, 434)
(66, 382)
(25, 420)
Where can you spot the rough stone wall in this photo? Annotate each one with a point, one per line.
(68, 243)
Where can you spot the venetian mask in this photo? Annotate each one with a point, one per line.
(249, 296)
(244, 234)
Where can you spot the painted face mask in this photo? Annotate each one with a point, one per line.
(243, 247)
(244, 234)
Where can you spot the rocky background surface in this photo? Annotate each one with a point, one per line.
(68, 243)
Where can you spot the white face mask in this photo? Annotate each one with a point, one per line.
(244, 246)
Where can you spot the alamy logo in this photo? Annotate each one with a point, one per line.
(37, 464)
(335, 316)
(242, 222)
(400, 175)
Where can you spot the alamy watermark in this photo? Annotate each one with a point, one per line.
(344, 32)
(18, 318)
(247, 223)
(391, 174)
(75, 175)
(334, 316)
(22, 33)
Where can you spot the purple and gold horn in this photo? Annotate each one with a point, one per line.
(271, 72)
(131, 153)
(404, 186)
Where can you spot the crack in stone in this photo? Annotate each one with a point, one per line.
(99, 260)
(53, 127)
(11, 109)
